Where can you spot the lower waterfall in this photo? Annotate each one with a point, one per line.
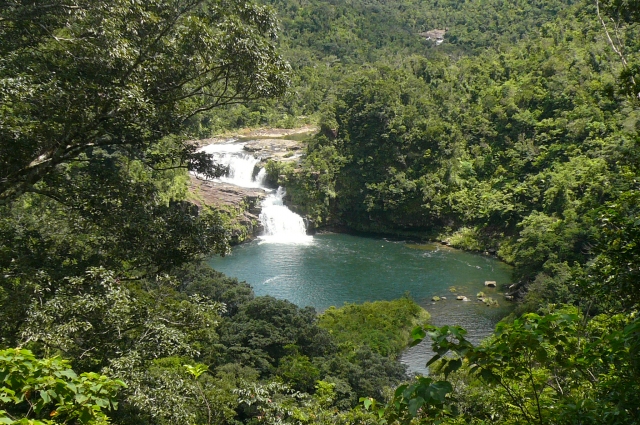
(281, 225)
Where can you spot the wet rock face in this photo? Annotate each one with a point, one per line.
(222, 194)
(242, 204)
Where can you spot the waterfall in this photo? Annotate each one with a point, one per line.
(261, 177)
(241, 165)
(281, 225)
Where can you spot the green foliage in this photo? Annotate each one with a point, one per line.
(382, 325)
(425, 398)
(313, 186)
(300, 372)
(87, 68)
(275, 403)
(550, 368)
(512, 150)
(111, 322)
(48, 391)
(327, 43)
(615, 270)
(466, 238)
(258, 335)
(517, 134)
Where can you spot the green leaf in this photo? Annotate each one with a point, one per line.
(439, 390)
(367, 402)
(418, 334)
(452, 366)
(102, 402)
(398, 392)
(69, 374)
(72, 387)
(434, 359)
(86, 414)
(414, 405)
(81, 398)
(488, 376)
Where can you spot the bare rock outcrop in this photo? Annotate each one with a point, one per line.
(241, 204)
(436, 35)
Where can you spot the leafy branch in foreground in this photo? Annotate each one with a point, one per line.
(47, 391)
(91, 75)
(539, 369)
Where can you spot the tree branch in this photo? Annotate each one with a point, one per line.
(617, 49)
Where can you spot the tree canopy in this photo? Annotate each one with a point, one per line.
(85, 80)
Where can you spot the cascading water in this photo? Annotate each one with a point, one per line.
(241, 165)
(261, 177)
(281, 225)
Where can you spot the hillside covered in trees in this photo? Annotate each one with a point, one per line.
(515, 133)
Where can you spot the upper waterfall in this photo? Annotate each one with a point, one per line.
(241, 164)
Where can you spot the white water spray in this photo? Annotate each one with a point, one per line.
(281, 225)
(261, 177)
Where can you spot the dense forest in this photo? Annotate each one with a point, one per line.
(515, 132)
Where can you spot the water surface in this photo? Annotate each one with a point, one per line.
(336, 268)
